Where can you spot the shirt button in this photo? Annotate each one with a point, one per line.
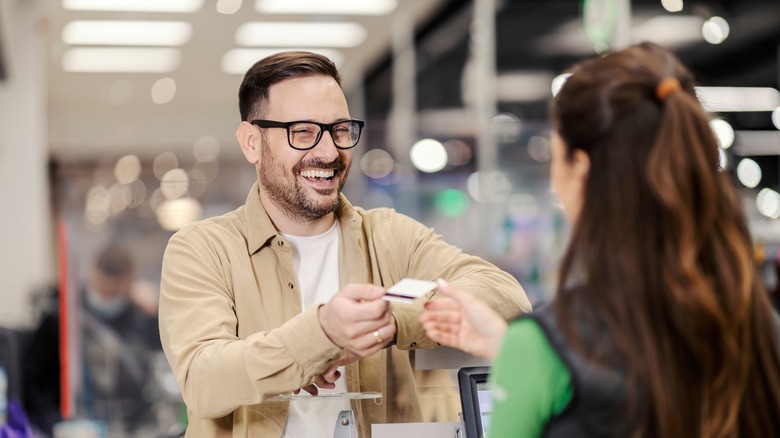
(280, 242)
(290, 285)
(413, 344)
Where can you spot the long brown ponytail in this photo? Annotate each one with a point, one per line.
(664, 253)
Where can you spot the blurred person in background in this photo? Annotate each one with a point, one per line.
(118, 339)
(660, 325)
(285, 293)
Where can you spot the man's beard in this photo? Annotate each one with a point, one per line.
(285, 190)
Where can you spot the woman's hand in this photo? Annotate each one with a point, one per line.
(464, 322)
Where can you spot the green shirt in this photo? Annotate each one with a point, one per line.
(530, 383)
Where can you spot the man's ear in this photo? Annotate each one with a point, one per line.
(249, 139)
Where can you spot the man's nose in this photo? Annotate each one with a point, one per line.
(326, 148)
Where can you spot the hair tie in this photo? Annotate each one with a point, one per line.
(667, 87)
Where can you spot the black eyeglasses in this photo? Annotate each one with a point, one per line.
(304, 135)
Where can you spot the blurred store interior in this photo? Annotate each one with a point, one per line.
(118, 118)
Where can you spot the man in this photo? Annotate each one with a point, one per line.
(118, 339)
(284, 293)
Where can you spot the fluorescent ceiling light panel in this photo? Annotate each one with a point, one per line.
(121, 60)
(669, 30)
(126, 33)
(300, 34)
(342, 7)
(238, 61)
(734, 99)
(134, 5)
(524, 86)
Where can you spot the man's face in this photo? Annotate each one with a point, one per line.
(303, 184)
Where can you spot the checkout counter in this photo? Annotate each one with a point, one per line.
(437, 358)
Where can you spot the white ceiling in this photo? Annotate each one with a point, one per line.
(84, 124)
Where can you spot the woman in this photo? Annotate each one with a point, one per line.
(660, 326)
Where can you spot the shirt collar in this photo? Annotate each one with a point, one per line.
(260, 230)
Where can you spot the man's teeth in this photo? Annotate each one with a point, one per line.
(317, 173)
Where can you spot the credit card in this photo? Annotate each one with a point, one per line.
(408, 290)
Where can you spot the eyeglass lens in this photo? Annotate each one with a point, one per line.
(305, 135)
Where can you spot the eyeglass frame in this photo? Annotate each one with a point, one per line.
(262, 123)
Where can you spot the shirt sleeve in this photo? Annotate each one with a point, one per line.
(417, 251)
(530, 383)
(216, 371)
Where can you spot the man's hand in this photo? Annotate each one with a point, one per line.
(358, 320)
(462, 321)
(328, 378)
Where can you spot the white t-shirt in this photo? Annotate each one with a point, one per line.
(316, 267)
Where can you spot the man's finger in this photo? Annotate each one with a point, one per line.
(362, 292)
(311, 389)
(322, 383)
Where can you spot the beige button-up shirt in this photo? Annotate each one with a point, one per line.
(232, 328)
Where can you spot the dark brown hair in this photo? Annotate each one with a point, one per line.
(663, 253)
(115, 260)
(253, 93)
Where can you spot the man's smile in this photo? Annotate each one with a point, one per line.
(318, 174)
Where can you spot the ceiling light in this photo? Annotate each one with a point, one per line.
(238, 61)
(345, 7)
(134, 5)
(733, 99)
(127, 33)
(756, 143)
(121, 60)
(300, 34)
(669, 30)
(523, 86)
(228, 7)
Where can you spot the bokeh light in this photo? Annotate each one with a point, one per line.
(506, 127)
(497, 186)
(768, 203)
(174, 183)
(176, 213)
(163, 163)
(723, 131)
(118, 200)
(97, 207)
(748, 173)
(127, 169)
(715, 30)
(458, 152)
(672, 5)
(206, 148)
(163, 91)
(539, 148)
(428, 155)
(451, 202)
(376, 163)
(134, 193)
